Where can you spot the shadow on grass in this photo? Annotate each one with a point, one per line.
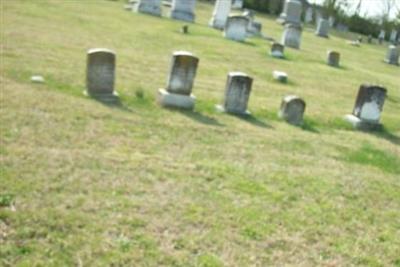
(252, 120)
(385, 134)
(114, 102)
(197, 116)
(309, 126)
(393, 99)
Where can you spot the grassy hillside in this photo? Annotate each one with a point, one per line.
(88, 184)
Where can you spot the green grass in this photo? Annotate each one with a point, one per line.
(90, 184)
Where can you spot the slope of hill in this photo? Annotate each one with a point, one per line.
(89, 184)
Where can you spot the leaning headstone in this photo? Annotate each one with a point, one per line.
(308, 18)
(392, 55)
(237, 4)
(292, 36)
(220, 14)
(236, 28)
(368, 107)
(393, 36)
(333, 58)
(280, 76)
(292, 109)
(100, 74)
(183, 10)
(323, 28)
(381, 36)
(237, 93)
(180, 81)
(291, 12)
(152, 7)
(277, 50)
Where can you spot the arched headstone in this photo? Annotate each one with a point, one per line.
(333, 58)
(292, 109)
(277, 50)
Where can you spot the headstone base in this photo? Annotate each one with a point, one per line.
(391, 62)
(109, 98)
(168, 99)
(359, 124)
(221, 108)
(277, 54)
(185, 16)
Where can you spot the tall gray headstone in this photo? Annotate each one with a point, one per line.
(331, 21)
(291, 12)
(221, 12)
(308, 18)
(333, 58)
(237, 93)
(323, 28)
(393, 36)
(392, 55)
(237, 4)
(180, 81)
(100, 73)
(291, 36)
(368, 107)
(152, 7)
(236, 28)
(381, 36)
(183, 10)
(292, 109)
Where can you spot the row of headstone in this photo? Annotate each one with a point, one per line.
(100, 79)
(180, 9)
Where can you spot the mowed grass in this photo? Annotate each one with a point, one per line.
(88, 184)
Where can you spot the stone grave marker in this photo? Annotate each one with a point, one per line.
(183, 10)
(292, 109)
(291, 12)
(236, 28)
(221, 12)
(180, 81)
(280, 76)
(277, 50)
(333, 58)
(292, 36)
(392, 55)
(152, 7)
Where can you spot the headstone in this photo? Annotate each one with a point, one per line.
(237, 4)
(236, 28)
(183, 10)
(152, 7)
(291, 12)
(308, 18)
(280, 76)
(185, 29)
(368, 107)
(292, 36)
(100, 73)
(393, 36)
(180, 81)
(323, 28)
(253, 27)
(277, 50)
(318, 16)
(392, 55)
(331, 21)
(220, 14)
(37, 79)
(381, 36)
(292, 109)
(237, 93)
(333, 58)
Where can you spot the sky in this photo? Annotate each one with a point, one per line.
(369, 8)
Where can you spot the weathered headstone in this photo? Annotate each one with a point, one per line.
(220, 14)
(277, 50)
(323, 28)
(180, 81)
(308, 18)
(381, 36)
(368, 107)
(291, 12)
(183, 10)
(393, 36)
(392, 55)
(100, 73)
(236, 28)
(331, 21)
(292, 109)
(237, 93)
(237, 4)
(280, 76)
(333, 58)
(152, 7)
(291, 36)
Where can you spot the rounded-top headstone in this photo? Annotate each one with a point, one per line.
(237, 93)
(292, 109)
(277, 50)
(182, 73)
(100, 72)
(369, 103)
(236, 27)
(333, 58)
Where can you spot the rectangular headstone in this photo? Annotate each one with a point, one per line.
(236, 28)
(183, 10)
(221, 12)
(291, 36)
(152, 7)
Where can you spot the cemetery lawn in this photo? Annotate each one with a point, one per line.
(84, 183)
